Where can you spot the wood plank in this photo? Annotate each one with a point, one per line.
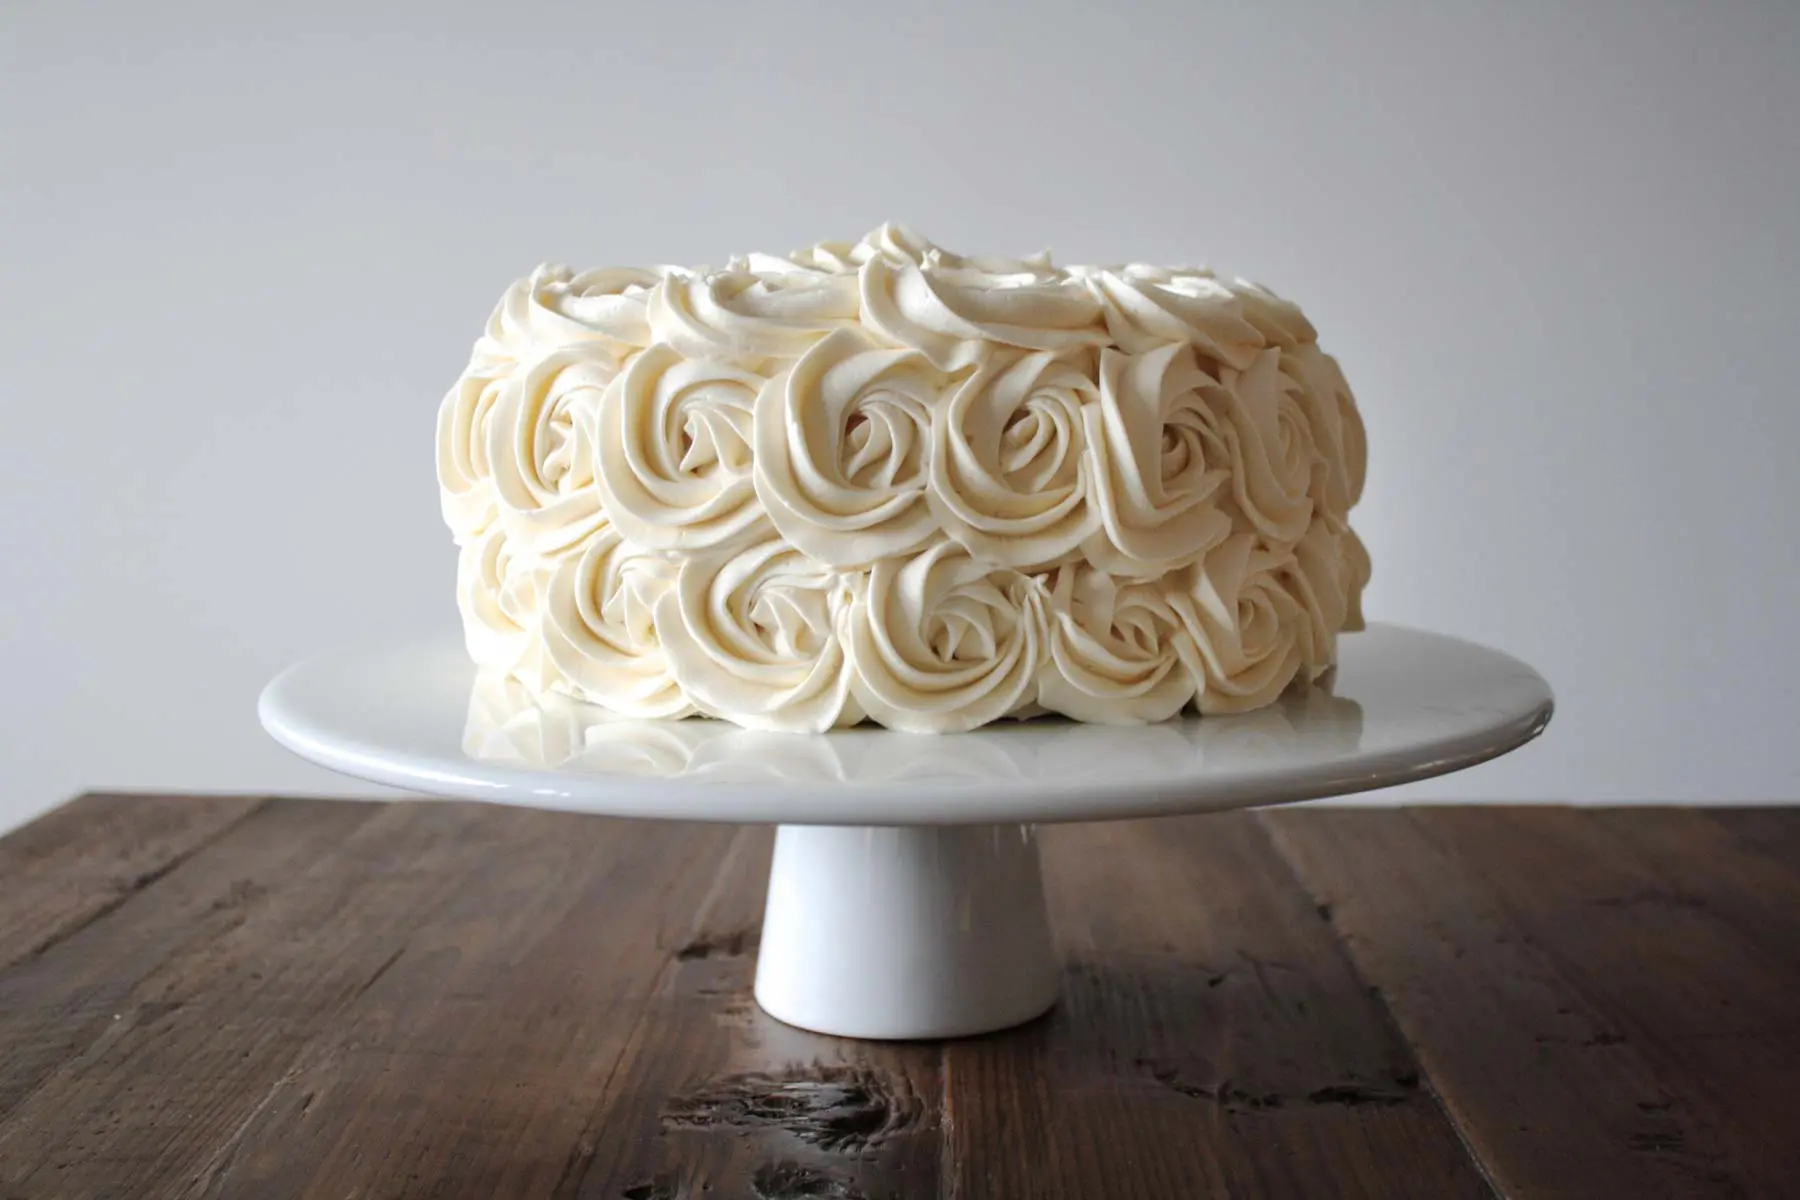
(470, 1067)
(1700, 862)
(715, 1098)
(57, 1004)
(204, 1039)
(79, 861)
(1212, 1040)
(1774, 831)
(1547, 1093)
(1717, 1016)
(321, 999)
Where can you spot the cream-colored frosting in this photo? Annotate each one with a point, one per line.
(754, 635)
(955, 314)
(553, 306)
(540, 447)
(745, 317)
(1335, 426)
(501, 596)
(1162, 454)
(881, 480)
(1115, 657)
(1009, 469)
(465, 477)
(942, 642)
(1246, 632)
(600, 631)
(1273, 457)
(1147, 307)
(843, 447)
(674, 453)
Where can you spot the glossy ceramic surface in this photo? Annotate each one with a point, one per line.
(907, 931)
(1404, 705)
(905, 898)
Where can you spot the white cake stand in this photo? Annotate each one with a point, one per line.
(904, 898)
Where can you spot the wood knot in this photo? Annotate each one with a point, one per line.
(1356, 1095)
(653, 1189)
(1665, 1141)
(725, 945)
(1225, 1093)
(1234, 1097)
(791, 1181)
(842, 1108)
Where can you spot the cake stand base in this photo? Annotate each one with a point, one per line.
(905, 932)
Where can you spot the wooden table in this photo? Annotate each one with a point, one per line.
(277, 997)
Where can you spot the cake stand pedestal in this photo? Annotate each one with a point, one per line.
(905, 932)
(905, 899)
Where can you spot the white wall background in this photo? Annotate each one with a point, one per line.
(244, 248)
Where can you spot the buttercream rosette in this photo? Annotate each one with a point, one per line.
(882, 481)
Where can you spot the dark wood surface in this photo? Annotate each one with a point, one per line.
(240, 997)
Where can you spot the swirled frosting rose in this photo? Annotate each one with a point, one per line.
(540, 449)
(672, 439)
(1010, 474)
(753, 635)
(600, 629)
(843, 449)
(880, 480)
(942, 642)
(553, 306)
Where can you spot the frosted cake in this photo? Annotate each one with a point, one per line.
(883, 481)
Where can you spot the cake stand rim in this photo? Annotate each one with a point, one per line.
(904, 801)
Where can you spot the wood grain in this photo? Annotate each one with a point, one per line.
(234, 997)
(57, 1006)
(715, 1098)
(1551, 1097)
(1698, 862)
(1770, 831)
(206, 1038)
(470, 1065)
(1716, 1016)
(1212, 1040)
(81, 860)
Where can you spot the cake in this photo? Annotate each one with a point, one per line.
(881, 481)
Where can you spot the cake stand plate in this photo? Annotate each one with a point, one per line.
(905, 899)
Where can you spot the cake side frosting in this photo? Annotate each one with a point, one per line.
(883, 481)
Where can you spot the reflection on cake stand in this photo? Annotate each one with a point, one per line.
(905, 898)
